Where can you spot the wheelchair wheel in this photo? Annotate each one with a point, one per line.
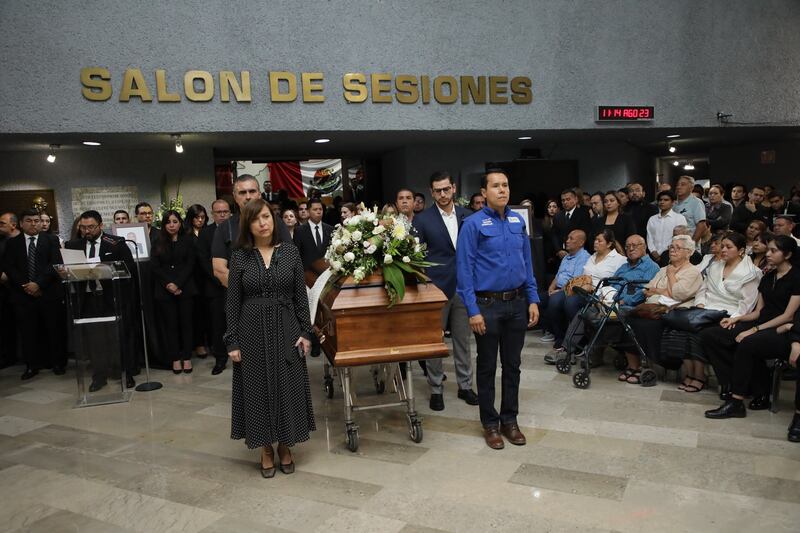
(582, 380)
(620, 362)
(563, 366)
(648, 378)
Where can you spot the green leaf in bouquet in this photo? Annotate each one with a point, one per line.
(393, 277)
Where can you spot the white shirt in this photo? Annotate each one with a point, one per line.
(570, 212)
(604, 268)
(737, 294)
(659, 230)
(28, 242)
(314, 227)
(451, 223)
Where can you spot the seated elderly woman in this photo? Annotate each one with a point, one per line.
(675, 285)
(738, 346)
(730, 285)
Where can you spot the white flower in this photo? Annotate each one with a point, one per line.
(358, 274)
(416, 240)
(406, 259)
(387, 259)
(346, 240)
(369, 216)
(356, 235)
(399, 231)
(417, 248)
(354, 221)
(371, 249)
(378, 230)
(336, 243)
(336, 265)
(349, 257)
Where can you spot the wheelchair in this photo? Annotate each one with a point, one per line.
(608, 313)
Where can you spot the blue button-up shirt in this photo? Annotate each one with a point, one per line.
(644, 269)
(493, 254)
(571, 266)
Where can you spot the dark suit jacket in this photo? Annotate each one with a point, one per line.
(432, 231)
(211, 288)
(304, 240)
(581, 219)
(15, 265)
(112, 248)
(174, 264)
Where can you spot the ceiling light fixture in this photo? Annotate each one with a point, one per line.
(51, 157)
(178, 143)
(91, 143)
(322, 141)
(525, 138)
(676, 163)
(688, 166)
(671, 148)
(673, 136)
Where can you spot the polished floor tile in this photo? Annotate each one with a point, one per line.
(613, 457)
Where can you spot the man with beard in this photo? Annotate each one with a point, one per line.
(639, 209)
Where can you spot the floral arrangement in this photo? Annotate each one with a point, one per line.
(368, 241)
(176, 204)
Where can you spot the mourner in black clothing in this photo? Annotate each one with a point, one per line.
(572, 217)
(37, 296)
(749, 210)
(173, 268)
(98, 301)
(779, 206)
(312, 238)
(639, 209)
(615, 220)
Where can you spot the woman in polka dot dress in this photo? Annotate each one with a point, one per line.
(267, 340)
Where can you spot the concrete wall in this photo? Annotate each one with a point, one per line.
(688, 58)
(743, 163)
(79, 168)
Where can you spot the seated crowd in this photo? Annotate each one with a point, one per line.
(730, 250)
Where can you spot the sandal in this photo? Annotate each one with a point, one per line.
(286, 468)
(635, 376)
(683, 385)
(693, 388)
(628, 372)
(268, 472)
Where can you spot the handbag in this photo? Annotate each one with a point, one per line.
(584, 281)
(649, 311)
(693, 319)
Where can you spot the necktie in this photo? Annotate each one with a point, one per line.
(32, 259)
(569, 215)
(318, 238)
(92, 251)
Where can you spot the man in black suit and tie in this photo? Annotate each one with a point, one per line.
(312, 239)
(213, 290)
(37, 295)
(438, 227)
(572, 217)
(98, 299)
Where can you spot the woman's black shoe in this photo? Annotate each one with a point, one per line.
(731, 409)
(760, 403)
(177, 371)
(794, 429)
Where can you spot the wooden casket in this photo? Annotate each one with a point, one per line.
(358, 328)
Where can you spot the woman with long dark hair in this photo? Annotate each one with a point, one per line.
(758, 251)
(268, 338)
(173, 262)
(196, 219)
(614, 219)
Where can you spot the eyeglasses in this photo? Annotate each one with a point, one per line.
(674, 247)
(443, 190)
(88, 228)
(633, 246)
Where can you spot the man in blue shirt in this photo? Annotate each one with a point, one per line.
(638, 267)
(495, 281)
(560, 307)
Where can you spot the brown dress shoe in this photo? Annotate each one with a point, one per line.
(493, 438)
(513, 434)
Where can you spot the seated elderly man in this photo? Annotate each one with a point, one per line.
(675, 285)
(559, 306)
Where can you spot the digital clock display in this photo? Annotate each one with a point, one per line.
(624, 113)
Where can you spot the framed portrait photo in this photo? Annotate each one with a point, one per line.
(136, 237)
(525, 213)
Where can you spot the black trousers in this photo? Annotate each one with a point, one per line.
(750, 372)
(177, 314)
(722, 350)
(218, 325)
(42, 332)
(506, 323)
(201, 325)
(8, 331)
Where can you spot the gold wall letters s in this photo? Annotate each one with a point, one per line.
(96, 78)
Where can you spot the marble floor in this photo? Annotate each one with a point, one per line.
(615, 457)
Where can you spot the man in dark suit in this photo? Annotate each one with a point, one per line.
(37, 295)
(572, 217)
(98, 300)
(313, 238)
(750, 210)
(437, 227)
(213, 290)
(8, 328)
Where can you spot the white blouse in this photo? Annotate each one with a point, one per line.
(737, 294)
(605, 268)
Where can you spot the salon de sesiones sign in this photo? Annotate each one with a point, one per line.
(98, 85)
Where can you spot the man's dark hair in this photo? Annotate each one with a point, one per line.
(569, 191)
(492, 170)
(742, 185)
(754, 187)
(28, 213)
(139, 206)
(403, 189)
(419, 195)
(245, 177)
(774, 194)
(624, 189)
(787, 218)
(440, 175)
(472, 198)
(118, 211)
(596, 193)
(316, 201)
(671, 194)
(92, 214)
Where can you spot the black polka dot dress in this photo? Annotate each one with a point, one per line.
(267, 311)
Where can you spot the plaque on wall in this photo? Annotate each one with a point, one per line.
(105, 200)
(44, 200)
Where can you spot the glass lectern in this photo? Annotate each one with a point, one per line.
(96, 300)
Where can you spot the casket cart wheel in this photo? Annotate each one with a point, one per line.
(329, 387)
(563, 365)
(352, 438)
(582, 380)
(415, 429)
(648, 377)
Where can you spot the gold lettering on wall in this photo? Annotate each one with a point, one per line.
(162, 92)
(498, 89)
(275, 79)
(442, 96)
(407, 91)
(472, 90)
(134, 86)
(228, 83)
(312, 84)
(521, 90)
(207, 82)
(355, 88)
(96, 78)
(380, 89)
